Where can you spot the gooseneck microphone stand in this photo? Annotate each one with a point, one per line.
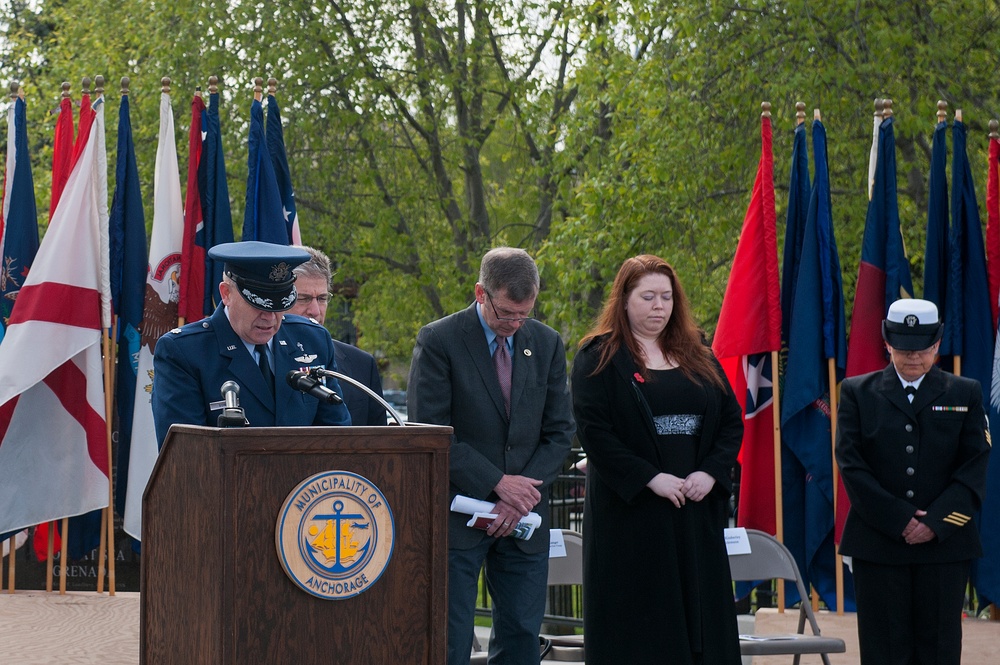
(319, 371)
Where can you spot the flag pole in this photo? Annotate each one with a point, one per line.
(107, 548)
(778, 508)
(957, 360)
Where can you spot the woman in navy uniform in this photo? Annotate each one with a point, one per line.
(912, 445)
(249, 341)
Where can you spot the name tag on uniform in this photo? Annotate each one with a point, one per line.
(959, 409)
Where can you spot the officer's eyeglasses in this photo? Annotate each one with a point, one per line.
(322, 299)
(506, 316)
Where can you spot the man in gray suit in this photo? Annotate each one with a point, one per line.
(497, 377)
(312, 283)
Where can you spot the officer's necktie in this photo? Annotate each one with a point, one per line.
(265, 367)
(911, 392)
(501, 360)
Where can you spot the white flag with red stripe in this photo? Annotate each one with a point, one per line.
(53, 445)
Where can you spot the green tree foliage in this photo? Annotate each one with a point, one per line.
(421, 133)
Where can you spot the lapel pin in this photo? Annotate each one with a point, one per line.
(282, 342)
(231, 347)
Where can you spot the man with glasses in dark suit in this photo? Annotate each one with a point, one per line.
(312, 284)
(497, 377)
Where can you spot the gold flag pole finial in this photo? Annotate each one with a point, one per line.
(99, 85)
(800, 113)
(765, 109)
(816, 115)
(886, 108)
(85, 85)
(958, 115)
(197, 91)
(213, 85)
(66, 85)
(942, 110)
(879, 106)
(165, 84)
(15, 87)
(258, 88)
(994, 126)
(124, 86)
(272, 86)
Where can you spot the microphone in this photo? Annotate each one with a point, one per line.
(232, 415)
(304, 383)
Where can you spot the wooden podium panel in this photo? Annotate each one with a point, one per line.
(213, 588)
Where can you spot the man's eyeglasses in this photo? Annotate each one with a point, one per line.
(506, 316)
(322, 299)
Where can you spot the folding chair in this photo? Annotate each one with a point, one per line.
(567, 570)
(562, 570)
(769, 559)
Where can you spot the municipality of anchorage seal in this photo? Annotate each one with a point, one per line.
(335, 535)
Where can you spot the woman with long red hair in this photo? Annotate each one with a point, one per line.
(661, 428)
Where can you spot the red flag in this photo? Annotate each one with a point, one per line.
(192, 295)
(993, 227)
(53, 448)
(749, 329)
(62, 152)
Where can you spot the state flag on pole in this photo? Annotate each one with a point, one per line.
(883, 278)
(936, 261)
(192, 297)
(817, 335)
(53, 443)
(986, 571)
(128, 274)
(970, 331)
(263, 219)
(217, 216)
(749, 329)
(160, 311)
(18, 218)
(279, 161)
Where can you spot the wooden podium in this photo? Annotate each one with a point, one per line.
(214, 589)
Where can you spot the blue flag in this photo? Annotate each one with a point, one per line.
(263, 219)
(968, 324)
(20, 231)
(795, 222)
(279, 162)
(936, 259)
(128, 279)
(217, 227)
(817, 335)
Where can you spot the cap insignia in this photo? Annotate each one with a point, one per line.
(280, 272)
(910, 321)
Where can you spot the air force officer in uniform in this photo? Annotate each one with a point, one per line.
(912, 445)
(249, 341)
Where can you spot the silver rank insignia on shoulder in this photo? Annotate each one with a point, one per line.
(306, 358)
(175, 330)
(231, 347)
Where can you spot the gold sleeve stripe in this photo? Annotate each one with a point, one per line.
(957, 519)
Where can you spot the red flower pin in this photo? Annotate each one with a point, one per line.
(638, 377)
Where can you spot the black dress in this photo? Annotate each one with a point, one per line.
(657, 587)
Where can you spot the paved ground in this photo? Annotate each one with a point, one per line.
(38, 628)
